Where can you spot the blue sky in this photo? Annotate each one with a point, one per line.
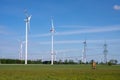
(96, 21)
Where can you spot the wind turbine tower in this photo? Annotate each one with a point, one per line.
(27, 21)
(105, 52)
(84, 52)
(52, 42)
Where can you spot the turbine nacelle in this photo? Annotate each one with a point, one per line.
(28, 19)
(52, 30)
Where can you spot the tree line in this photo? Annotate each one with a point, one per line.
(39, 61)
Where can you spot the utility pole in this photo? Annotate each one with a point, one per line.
(84, 52)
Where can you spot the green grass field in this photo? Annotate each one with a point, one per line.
(59, 72)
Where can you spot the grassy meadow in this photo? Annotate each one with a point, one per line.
(59, 72)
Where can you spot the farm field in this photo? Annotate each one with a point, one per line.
(59, 72)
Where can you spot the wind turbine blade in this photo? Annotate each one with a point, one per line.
(52, 23)
(29, 17)
(25, 11)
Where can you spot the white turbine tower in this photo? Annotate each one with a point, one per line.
(52, 42)
(27, 20)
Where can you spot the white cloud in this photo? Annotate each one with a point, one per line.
(60, 42)
(81, 41)
(116, 7)
(41, 35)
(73, 26)
(92, 30)
(83, 31)
(3, 30)
(68, 42)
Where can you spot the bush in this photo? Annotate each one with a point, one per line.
(109, 63)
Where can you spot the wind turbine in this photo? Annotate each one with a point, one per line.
(52, 42)
(27, 21)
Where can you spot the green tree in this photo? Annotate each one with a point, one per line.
(60, 61)
(112, 62)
